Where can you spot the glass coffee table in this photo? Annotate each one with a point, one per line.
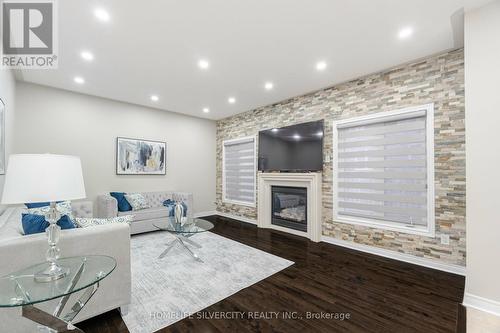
(182, 232)
(20, 289)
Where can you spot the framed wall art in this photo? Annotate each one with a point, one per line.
(140, 157)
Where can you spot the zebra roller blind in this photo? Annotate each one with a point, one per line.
(382, 170)
(239, 171)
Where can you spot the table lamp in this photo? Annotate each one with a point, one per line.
(35, 178)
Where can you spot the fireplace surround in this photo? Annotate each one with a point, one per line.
(308, 182)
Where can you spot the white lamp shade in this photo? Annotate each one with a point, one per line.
(42, 178)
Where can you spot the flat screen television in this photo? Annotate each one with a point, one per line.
(296, 148)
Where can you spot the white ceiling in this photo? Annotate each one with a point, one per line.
(152, 47)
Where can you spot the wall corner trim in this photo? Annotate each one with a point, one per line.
(450, 268)
(481, 304)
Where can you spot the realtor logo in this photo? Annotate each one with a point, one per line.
(29, 38)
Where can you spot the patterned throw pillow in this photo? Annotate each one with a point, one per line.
(84, 222)
(137, 201)
(64, 208)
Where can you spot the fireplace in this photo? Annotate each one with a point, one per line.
(289, 207)
(309, 185)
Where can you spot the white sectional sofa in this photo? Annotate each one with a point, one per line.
(107, 206)
(18, 251)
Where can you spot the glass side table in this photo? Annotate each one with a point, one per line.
(182, 232)
(21, 289)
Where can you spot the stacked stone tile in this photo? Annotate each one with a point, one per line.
(437, 79)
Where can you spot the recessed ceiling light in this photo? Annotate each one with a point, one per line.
(154, 98)
(275, 130)
(79, 80)
(206, 110)
(86, 55)
(268, 85)
(321, 66)
(405, 33)
(101, 14)
(203, 64)
(296, 136)
(231, 100)
(320, 133)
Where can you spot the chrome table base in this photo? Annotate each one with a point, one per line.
(183, 241)
(53, 323)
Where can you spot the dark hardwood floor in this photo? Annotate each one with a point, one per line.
(378, 294)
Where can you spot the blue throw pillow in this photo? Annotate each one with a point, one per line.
(170, 204)
(66, 223)
(38, 204)
(34, 224)
(123, 204)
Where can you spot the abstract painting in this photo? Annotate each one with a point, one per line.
(140, 157)
(2, 138)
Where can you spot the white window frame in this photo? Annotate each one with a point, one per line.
(235, 141)
(428, 231)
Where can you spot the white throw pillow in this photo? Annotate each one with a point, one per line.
(137, 201)
(84, 222)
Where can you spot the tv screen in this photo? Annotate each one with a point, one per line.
(292, 148)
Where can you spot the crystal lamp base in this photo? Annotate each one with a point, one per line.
(51, 273)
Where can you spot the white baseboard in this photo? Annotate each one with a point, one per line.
(236, 217)
(450, 268)
(482, 304)
(207, 213)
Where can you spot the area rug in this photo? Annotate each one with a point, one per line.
(170, 289)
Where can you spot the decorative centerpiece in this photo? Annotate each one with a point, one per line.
(179, 213)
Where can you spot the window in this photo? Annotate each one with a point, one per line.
(384, 170)
(239, 171)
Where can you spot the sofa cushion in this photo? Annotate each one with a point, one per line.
(123, 204)
(82, 209)
(148, 213)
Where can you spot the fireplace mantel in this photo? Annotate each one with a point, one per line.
(311, 181)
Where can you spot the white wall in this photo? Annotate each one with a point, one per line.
(62, 122)
(482, 95)
(7, 94)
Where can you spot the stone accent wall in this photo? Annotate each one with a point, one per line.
(438, 79)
